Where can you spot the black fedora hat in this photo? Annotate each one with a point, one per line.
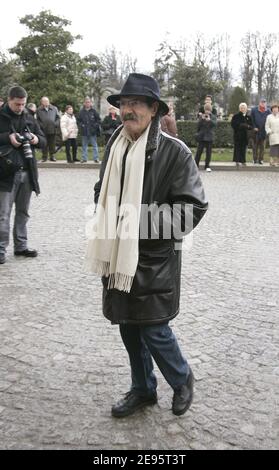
(138, 84)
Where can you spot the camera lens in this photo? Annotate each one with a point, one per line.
(27, 150)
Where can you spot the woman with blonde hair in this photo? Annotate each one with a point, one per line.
(241, 123)
(69, 131)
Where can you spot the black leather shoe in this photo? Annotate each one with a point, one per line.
(131, 403)
(183, 396)
(52, 159)
(2, 258)
(76, 160)
(27, 253)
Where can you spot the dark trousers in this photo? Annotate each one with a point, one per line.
(71, 143)
(239, 152)
(208, 146)
(49, 148)
(157, 341)
(259, 150)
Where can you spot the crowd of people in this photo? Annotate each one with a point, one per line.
(66, 127)
(250, 127)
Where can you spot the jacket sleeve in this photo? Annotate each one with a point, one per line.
(253, 118)
(39, 133)
(63, 127)
(4, 138)
(234, 122)
(97, 117)
(267, 125)
(186, 200)
(97, 187)
(187, 195)
(80, 119)
(57, 118)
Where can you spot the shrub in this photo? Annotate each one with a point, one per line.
(223, 133)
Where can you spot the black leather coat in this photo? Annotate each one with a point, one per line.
(19, 122)
(171, 176)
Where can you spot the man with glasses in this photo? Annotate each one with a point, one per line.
(138, 257)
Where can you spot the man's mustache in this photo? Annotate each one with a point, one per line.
(129, 117)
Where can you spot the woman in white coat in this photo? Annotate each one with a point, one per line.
(69, 131)
(272, 130)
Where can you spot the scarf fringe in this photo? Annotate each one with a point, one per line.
(97, 266)
(121, 282)
(117, 281)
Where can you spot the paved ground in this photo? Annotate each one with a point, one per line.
(63, 365)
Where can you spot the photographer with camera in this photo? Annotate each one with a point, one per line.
(19, 133)
(205, 135)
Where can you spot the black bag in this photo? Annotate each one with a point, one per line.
(10, 161)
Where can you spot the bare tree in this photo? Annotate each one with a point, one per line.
(247, 69)
(127, 65)
(262, 46)
(221, 66)
(109, 61)
(271, 77)
(203, 50)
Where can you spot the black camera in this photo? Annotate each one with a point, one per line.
(25, 137)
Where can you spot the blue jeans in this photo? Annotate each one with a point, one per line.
(157, 341)
(20, 196)
(86, 140)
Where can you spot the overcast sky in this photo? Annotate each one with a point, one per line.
(138, 27)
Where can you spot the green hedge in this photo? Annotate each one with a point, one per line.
(223, 133)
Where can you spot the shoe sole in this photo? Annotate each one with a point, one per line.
(186, 408)
(26, 256)
(131, 412)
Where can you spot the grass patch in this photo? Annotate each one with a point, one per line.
(218, 155)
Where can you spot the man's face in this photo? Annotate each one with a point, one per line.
(45, 102)
(136, 114)
(87, 104)
(17, 105)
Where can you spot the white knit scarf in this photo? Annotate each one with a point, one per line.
(112, 249)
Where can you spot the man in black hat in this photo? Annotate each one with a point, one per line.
(149, 195)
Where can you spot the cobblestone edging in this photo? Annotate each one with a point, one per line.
(63, 365)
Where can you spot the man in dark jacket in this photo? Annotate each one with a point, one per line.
(150, 193)
(49, 120)
(19, 133)
(258, 115)
(89, 123)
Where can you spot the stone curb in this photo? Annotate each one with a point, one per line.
(216, 166)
